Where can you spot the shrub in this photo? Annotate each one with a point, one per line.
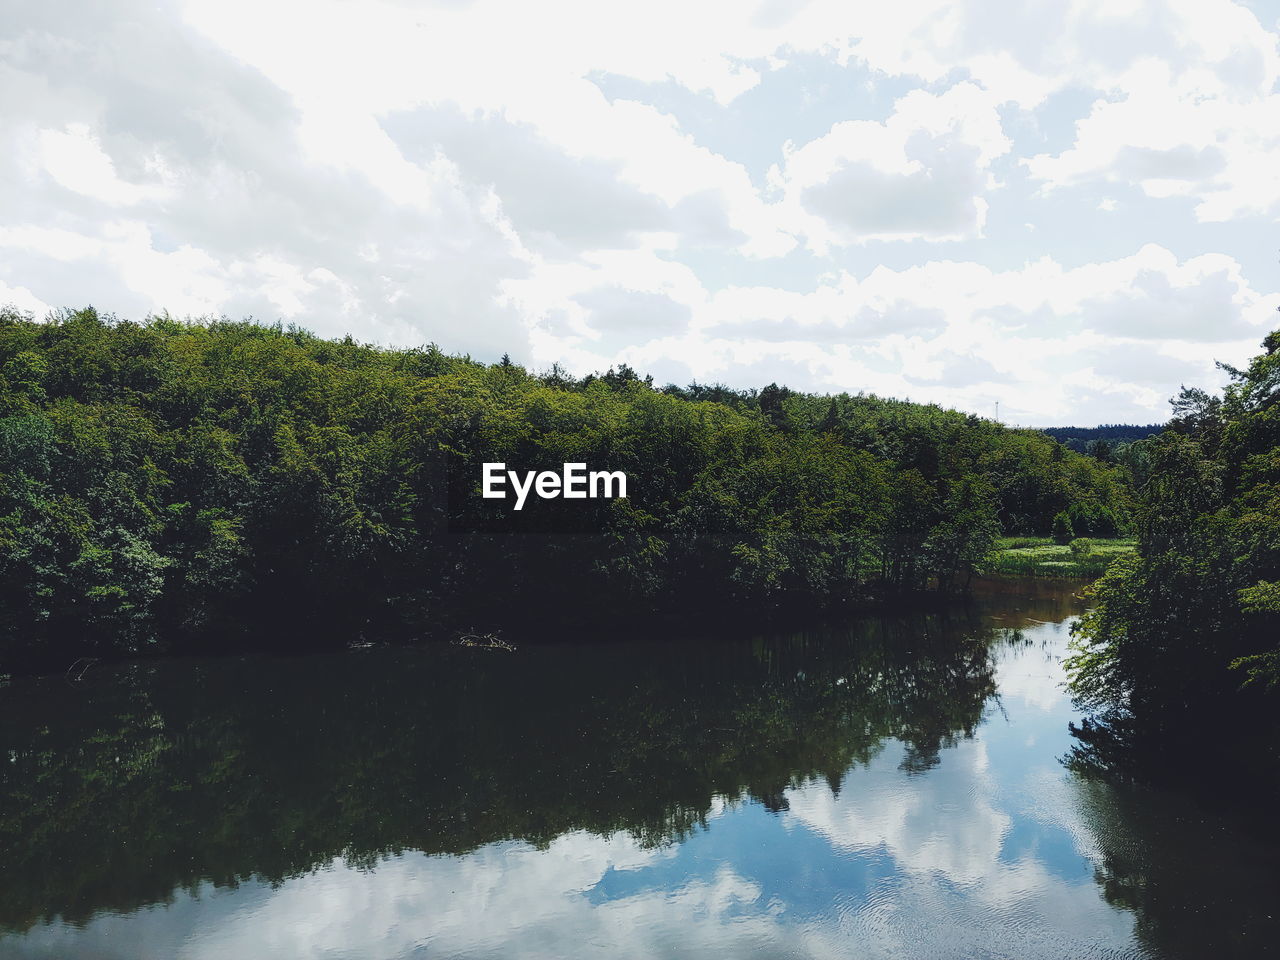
(1063, 532)
(1081, 548)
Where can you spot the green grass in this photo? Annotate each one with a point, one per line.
(1041, 557)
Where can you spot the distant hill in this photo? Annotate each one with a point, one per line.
(1077, 438)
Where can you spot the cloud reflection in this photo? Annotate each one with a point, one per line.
(986, 847)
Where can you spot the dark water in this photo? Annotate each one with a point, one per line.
(891, 788)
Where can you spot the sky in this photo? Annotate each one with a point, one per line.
(1066, 207)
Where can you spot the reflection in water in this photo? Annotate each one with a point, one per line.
(891, 788)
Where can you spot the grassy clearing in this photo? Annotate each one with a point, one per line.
(1041, 557)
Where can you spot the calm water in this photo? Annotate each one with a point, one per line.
(892, 788)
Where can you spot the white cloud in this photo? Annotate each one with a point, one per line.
(23, 299)
(768, 207)
(1217, 151)
(921, 173)
(397, 59)
(1023, 51)
(76, 160)
(1041, 339)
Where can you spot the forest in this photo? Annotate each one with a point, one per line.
(171, 486)
(1102, 441)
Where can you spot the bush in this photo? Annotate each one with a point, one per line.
(1081, 548)
(1063, 532)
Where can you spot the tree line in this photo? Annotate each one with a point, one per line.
(170, 485)
(1102, 441)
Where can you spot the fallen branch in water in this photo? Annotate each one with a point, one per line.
(484, 641)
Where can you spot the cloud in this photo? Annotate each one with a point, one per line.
(22, 299)
(75, 160)
(207, 192)
(766, 202)
(957, 370)
(1185, 104)
(1022, 52)
(617, 310)
(840, 311)
(557, 203)
(921, 173)
(1214, 148)
(1042, 340)
(1152, 296)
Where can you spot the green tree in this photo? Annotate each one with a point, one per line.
(1063, 531)
(1199, 597)
(167, 485)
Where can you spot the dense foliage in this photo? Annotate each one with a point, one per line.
(1202, 594)
(1103, 440)
(168, 485)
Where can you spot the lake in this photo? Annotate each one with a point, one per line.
(893, 786)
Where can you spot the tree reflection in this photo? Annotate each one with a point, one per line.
(1180, 844)
(147, 779)
(1199, 883)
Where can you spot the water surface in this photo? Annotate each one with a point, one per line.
(892, 787)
